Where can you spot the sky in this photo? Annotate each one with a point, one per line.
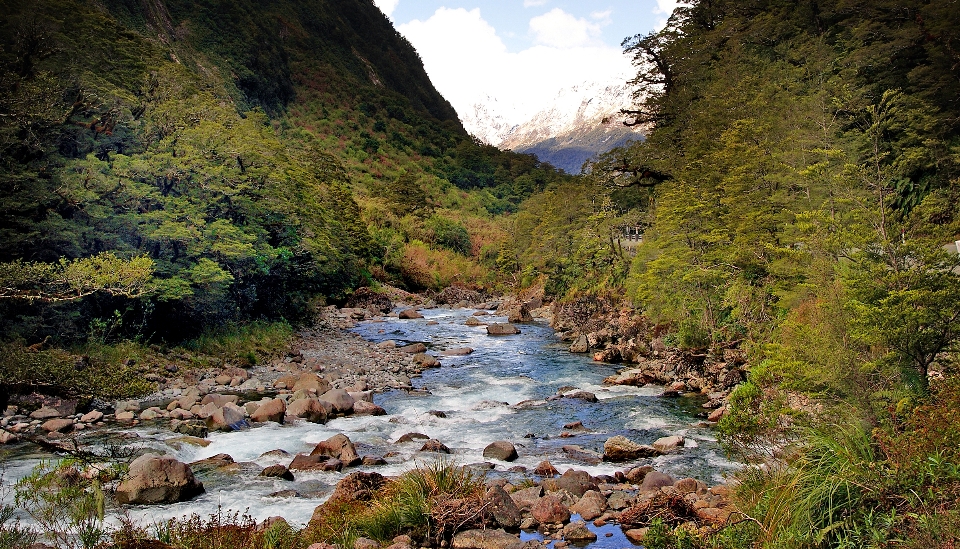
(522, 52)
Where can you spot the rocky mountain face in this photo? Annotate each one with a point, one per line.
(579, 122)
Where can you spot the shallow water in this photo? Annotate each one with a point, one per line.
(478, 394)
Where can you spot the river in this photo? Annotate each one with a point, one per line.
(478, 395)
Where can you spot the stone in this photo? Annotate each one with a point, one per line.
(573, 481)
(308, 381)
(365, 543)
(473, 321)
(520, 314)
(126, 406)
(636, 474)
(687, 486)
(590, 506)
(338, 447)
(228, 418)
(6, 437)
(654, 480)
(414, 348)
(192, 428)
(501, 507)
(92, 416)
(59, 425)
(45, 412)
(502, 449)
(637, 535)
(666, 444)
(717, 414)
(434, 445)
(272, 410)
(303, 462)
(150, 414)
(619, 500)
(525, 499)
(502, 329)
(581, 454)
(580, 345)
(309, 409)
(550, 510)
(485, 539)
(585, 396)
(575, 425)
(277, 471)
(620, 448)
(578, 532)
(359, 486)
(409, 314)
(372, 460)
(219, 400)
(364, 408)
(341, 400)
(124, 416)
(410, 437)
(426, 361)
(546, 469)
(154, 479)
(460, 351)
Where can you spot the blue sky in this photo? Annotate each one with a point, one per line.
(521, 52)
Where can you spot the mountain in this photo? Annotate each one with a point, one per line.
(572, 127)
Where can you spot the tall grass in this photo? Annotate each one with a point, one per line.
(243, 344)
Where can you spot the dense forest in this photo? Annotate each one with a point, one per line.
(798, 193)
(171, 168)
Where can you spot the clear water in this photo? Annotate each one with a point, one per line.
(478, 394)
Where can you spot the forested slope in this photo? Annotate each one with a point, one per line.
(798, 192)
(168, 166)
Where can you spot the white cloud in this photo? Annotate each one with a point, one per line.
(665, 7)
(559, 29)
(387, 6)
(467, 61)
(602, 16)
(533, 3)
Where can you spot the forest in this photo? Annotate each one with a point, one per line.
(169, 169)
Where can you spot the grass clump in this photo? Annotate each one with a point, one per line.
(242, 344)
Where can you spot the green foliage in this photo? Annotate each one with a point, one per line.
(245, 345)
(447, 233)
(71, 280)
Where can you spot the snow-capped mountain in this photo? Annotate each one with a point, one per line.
(576, 124)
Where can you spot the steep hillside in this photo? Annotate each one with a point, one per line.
(194, 163)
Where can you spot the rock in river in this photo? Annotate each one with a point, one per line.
(502, 450)
(156, 479)
(502, 329)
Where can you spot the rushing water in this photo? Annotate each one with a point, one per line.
(477, 393)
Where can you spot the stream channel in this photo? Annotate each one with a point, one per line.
(478, 394)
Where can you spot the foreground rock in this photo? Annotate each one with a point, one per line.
(502, 450)
(154, 479)
(338, 447)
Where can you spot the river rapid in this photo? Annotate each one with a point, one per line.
(499, 392)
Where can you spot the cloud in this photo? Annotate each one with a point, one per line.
(602, 16)
(559, 29)
(664, 7)
(387, 6)
(534, 3)
(467, 62)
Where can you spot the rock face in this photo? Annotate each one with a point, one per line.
(620, 448)
(273, 410)
(502, 329)
(502, 450)
(502, 508)
(156, 479)
(550, 510)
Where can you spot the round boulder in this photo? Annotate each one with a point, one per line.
(272, 410)
(154, 479)
(502, 450)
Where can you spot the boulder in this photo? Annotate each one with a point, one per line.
(309, 409)
(6, 437)
(572, 481)
(546, 469)
(271, 410)
(520, 314)
(228, 418)
(409, 314)
(364, 408)
(193, 428)
(410, 437)
(277, 471)
(666, 444)
(637, 535)
(460, 351)
(501, 507)
(717, 414)
(578, 532)
(310, 380)
(357, 487)
(581, 454)
(434, 445)
(413, 348)
(502, 329)
(550, 510)
(92, 416)
(365, 543)
(219, 400)
(485, 539)
(590, 506)
(474, 321)
(45, 412)
(338, 447)
(425, 360)
(528, 497)
(341, 400)
(580, 345)
(585, 396)
(61, 425)
(502, 450)
(620, 448)
(654, 480)
(303, 462)
(619, 500)
(154, 479)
